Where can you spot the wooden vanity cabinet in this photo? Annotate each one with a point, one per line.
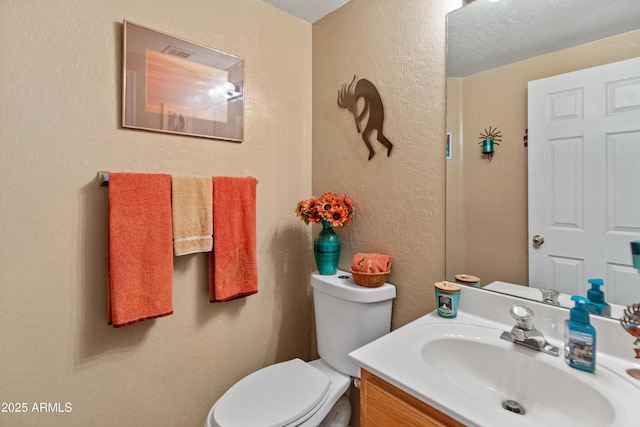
(385, 405)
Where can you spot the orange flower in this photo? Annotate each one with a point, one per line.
(300, 209)
(307, 210)
(337, 216)
(349, 206)
(347, 203)
(329, 207)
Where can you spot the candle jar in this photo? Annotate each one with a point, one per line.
(447, 299)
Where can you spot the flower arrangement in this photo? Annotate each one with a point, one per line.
(329, 207)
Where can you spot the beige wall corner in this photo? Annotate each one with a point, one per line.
(399, 200)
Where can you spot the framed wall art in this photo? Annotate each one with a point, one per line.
(175, 86)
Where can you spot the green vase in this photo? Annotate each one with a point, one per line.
(326, 248)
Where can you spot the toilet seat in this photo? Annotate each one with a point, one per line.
(280, 395)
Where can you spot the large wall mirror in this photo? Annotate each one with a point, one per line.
(494, 48)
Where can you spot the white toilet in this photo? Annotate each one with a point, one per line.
(297, 393)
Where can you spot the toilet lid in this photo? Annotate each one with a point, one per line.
(273, 396)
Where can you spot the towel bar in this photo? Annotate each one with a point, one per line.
(103, 178)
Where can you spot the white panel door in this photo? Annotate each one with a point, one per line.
(584, 180)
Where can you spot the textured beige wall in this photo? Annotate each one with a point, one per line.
(60, 68)
(455, 242)
(399, 200)
(493, 228)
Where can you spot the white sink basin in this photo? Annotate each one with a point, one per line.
(461, 367)
(475, 361)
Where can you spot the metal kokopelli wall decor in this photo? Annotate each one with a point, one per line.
(372, 104)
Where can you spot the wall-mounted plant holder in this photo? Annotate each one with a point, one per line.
(488, 140)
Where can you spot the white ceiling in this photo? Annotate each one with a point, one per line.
(485, 35)
(309, 10)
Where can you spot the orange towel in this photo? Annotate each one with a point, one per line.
(371, 263)
(233, 270)
(140, 248)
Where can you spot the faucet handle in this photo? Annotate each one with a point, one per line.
(523, 317)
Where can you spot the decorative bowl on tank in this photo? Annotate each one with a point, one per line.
(370, 280)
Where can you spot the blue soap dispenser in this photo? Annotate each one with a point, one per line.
(597, 304)
(580, 337)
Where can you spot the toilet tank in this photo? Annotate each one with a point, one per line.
(348, 316)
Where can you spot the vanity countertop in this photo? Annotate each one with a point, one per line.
(399, 356)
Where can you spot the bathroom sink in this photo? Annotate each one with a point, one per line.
(462, 367)
(477, 362)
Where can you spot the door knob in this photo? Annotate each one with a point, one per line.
(538, 240)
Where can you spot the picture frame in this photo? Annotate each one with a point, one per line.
(175, 86)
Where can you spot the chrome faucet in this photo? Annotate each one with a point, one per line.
(524, 333)
(550, 296)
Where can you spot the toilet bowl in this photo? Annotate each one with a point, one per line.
(292, 393)
(306, 394)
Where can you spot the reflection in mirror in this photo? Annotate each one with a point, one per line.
(493, 51)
